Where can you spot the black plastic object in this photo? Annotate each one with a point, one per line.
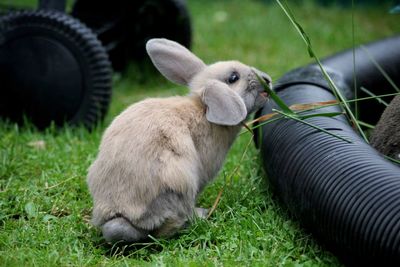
(124, 26)
(346, 194)
(52, 68)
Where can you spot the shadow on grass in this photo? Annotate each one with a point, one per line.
(193, 236)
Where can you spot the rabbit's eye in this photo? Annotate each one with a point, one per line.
(233, 77)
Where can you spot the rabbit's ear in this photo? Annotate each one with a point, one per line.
(224, 106)
(173, 60)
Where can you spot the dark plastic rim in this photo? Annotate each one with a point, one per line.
(87, 50)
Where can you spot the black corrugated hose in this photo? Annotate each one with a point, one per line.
(346, 194)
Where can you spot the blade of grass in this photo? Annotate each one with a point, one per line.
(372, 97)
(229, 179)
(297, 26)
(392, 159)
(295, 107)
(351, 101)
(268, 118)
(271, 115)
(327, 114)
(366, 124)
(262, 118)
(381, 70)
(354, 60)
(311, 106)
(312, 125)
(216, 202)
(274, 96)
(262, 124)
(332, 85)
(368, 92)
(247, 127)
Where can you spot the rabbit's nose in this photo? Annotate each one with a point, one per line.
(263, 75)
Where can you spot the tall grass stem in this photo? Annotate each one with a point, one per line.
(332, 85)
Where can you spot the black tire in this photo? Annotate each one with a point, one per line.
(52, 68)
(125, 25)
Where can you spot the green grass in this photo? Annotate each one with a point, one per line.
(44, 202)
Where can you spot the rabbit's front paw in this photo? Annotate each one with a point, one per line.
(201, 212)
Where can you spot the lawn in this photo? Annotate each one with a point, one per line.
(45, 205)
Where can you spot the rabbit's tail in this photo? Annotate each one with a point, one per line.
(120, 230)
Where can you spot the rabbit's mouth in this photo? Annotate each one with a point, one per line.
(264, 95)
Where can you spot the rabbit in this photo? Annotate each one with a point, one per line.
(158, 154)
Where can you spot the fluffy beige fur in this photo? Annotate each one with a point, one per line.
(158, 154)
